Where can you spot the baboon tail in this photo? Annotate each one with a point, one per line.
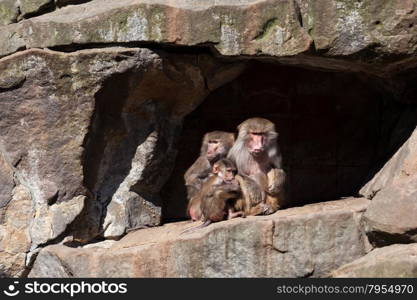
(192, 229)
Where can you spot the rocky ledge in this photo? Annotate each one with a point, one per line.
(368, 33)
(391, 261)
(308, 241)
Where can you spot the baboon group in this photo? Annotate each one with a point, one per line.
(236, 177)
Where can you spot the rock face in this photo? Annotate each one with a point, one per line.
(8, 11)
(400, 168)
(268, 27)
(391, 261)
(15, 239)
(28, 7)
(297, 242)
(88, 154)
(391, 216)
(12, 11)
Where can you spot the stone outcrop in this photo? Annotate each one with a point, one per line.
(86, 154)
(8, 12)
(307, 241)
(391, 261)
(400, 168)
(391, 217)
(12, 11)
(261, 28)
(30, 7)
(15, 239)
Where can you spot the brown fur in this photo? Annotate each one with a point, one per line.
(262, 175)
(217, 195)
(198, 173)
(216, 192)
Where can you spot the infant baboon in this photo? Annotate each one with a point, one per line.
(215, 146)
(218, 194)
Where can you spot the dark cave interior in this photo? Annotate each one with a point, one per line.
(336, 129)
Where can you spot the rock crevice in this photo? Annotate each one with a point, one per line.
(312, 241)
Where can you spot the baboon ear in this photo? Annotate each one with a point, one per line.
(216, 168)
(239, 126)
(273, 135)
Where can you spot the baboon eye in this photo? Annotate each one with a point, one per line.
(213, 142)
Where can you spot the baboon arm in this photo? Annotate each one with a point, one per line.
(226, 191)
(276, 158)
(258, 209)
(251, 191)
(200, 169)
(191, 191)
(276, 179)
(276, 176)
(234, 214)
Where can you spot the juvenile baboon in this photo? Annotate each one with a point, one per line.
(215, 146)
(218, 194)
(251, 200)
(258, 160)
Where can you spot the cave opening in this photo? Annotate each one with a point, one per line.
(336, 129)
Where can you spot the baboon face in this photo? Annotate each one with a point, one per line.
(217, 144)
(226, 170)
(214, 149)
(256, 142)
(257, 134)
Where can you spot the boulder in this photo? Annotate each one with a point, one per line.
(391, 216)
(15, 239)
(388, 262)
(307, 241)
(398, 169)
(29, 7)
(8, 12)
(365, 31)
